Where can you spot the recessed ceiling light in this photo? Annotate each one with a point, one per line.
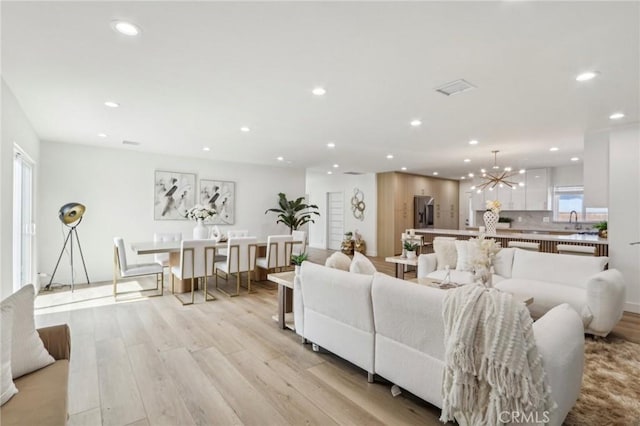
(126, 28)
(435, 173)
(245, 129)
(473, 187)
(462, 177)
(586, 76)
(206, 148)
(484, 175)
(389, 156)
(331, 145)
(335, 166)
(616, 116)
(507, 169)
(479, 191)
(112, 104)
(522, 171)
(403, 168)
(467, 160)
(473, 142)
(416, 123)
(280, 158)
(554, 149)
(470, 174)
(483, 171)
(575, 159)
(102, 135)
(329, 172)
(319, 91)
(521, 184)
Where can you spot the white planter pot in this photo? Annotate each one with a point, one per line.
(411, 254)
(297, 269)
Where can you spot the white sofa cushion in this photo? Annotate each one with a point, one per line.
(503, 262)
(7, 387)
(361, 265)
(551, 267)
(338, 260)
(468, 251)
(446, 253)
(27, 350)
(548, 295)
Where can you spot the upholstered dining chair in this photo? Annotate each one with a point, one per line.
(279, 249)
(241, 258)
(233, 233)
(163, 258)
(301, 247)
(197, 258)
(127, 270)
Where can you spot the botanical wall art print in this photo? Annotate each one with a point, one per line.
(221, 196)
(175, 193)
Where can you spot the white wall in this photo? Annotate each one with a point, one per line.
(624, 208)
(117, 187)
(567, 175)
(17, 129)
(317, 187)
(596, 162)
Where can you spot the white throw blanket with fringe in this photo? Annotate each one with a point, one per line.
(492, 364)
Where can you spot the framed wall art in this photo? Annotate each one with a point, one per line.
(175, 193)
(221, 196)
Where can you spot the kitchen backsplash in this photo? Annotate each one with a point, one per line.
(532, 220)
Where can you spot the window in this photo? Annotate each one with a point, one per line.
(571, 198)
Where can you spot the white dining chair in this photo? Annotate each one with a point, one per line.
(241, 258)
(279, 248)
(124, 269)
(163, 258)
(299, 248)
(233, 233)
(197, 258)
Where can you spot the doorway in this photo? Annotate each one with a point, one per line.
(23, 226)
(335, 220)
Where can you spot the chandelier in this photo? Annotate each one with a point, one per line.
(491, 179)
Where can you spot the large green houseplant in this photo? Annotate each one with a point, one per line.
(294, 214)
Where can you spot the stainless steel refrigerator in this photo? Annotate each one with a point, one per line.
(423, 211)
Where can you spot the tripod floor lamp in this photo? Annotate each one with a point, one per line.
(71, 216)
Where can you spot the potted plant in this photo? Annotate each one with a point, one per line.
(297, 261)
(504, 222)
(294, 214)
(348, 235)
(602, 229)
(410, 249)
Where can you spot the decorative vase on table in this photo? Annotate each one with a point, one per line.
(490, 221)
(200, 232)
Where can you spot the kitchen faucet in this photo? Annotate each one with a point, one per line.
(571, 215)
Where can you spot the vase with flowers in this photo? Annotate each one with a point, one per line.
(492, 215)
(200, 213)
(485, 252)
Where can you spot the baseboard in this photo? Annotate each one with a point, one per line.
(632, 307)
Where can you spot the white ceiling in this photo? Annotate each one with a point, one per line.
(201, 70)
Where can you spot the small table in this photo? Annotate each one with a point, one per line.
(527, 300)
(285, 297)
(401, 262)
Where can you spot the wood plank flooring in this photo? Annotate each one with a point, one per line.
(152, 361)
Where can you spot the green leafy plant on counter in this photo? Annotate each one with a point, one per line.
(601, 226)
(409, 246)
(299, 258)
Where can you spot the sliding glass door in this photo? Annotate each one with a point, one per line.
(23, 226)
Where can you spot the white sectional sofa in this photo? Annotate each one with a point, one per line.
(394, 328)
(597, 295)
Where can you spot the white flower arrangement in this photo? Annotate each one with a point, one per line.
(199, 212)
(486, 250)
(494, 206)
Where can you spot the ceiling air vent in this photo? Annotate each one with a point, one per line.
(353, 173)
(130, 143)
(455, 87)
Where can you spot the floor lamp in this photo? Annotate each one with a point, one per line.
(71, 216)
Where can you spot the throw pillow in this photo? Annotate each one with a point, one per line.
(503, 262)
(361, 265)
(467, 253)
(7, 388)
(338, 260)
(446, 254)
(27, 350)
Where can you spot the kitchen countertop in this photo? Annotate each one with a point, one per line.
(515, 235)
(541, 230)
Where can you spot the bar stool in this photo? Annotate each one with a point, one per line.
(576, 250)
(525, 245)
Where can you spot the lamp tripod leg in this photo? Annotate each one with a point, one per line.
(86, 274)
(66, 240)
(71, 256)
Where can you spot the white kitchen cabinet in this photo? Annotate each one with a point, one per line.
(477, 200)
(537, 189)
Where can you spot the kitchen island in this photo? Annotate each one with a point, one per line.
(548, 242)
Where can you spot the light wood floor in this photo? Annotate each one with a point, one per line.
(155, 362)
